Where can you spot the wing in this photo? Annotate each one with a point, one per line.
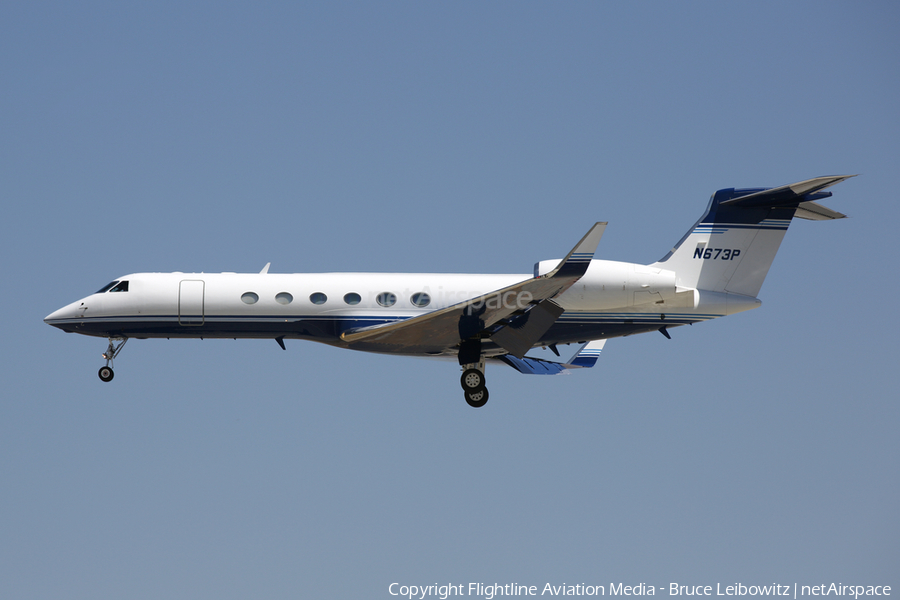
(585, 358)
(441, 330)
(588, 355)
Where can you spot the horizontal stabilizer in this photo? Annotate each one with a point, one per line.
(793, 193)
(816, 212)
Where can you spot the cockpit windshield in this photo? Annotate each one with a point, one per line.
(106, 287)
(114, 286)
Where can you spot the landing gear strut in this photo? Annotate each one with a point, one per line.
(115, 346)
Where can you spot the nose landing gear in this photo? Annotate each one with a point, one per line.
(115, 346)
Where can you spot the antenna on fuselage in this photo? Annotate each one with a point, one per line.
(265, 269)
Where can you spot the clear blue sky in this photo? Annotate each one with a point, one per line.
(469, 137)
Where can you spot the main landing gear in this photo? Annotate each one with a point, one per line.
(115, 346)
(473, 384)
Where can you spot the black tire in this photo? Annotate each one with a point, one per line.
(472, 380)
(477, 399)
(106, 374)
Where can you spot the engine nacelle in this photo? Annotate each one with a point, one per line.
(610, 284)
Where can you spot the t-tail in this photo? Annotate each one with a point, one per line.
(732, 246)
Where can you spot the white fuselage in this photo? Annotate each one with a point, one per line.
(611, 299)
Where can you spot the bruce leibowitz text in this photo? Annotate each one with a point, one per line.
(490, 591)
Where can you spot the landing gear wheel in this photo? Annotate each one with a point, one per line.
(477, 399)
(472, 380)
(106, 373)
(115, 346)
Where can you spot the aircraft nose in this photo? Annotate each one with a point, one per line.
(59, 318)
(56, 314)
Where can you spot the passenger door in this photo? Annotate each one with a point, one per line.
(190, 302)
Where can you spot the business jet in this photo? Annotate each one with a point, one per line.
(715, 270)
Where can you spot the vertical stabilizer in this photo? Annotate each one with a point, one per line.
(732, 246)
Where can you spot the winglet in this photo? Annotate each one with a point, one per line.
(588, 355)
(576, 262)
(265, 269)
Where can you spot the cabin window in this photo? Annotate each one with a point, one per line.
(107, 287)
(352, 298)
(283, 298)
(249, 298)
(420, 299)
(121, 287)
(318, 298)
(386, 299)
